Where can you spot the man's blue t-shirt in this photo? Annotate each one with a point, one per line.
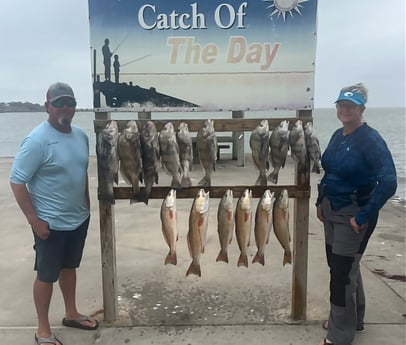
(54, 165)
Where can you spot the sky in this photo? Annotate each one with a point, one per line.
(45, 41)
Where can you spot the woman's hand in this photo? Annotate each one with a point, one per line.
(319, 213)
(357, 228)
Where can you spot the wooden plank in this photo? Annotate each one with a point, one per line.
(300, 239)
(159, 192)
(220, 125)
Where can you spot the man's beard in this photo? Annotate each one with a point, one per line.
(64, 121)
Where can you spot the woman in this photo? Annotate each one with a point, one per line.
(359, 178)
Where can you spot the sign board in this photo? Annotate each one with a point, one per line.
(177, 55)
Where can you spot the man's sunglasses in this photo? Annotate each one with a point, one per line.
(60, 103)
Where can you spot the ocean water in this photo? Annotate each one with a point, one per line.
(390, 122)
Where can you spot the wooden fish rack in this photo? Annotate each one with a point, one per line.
(237, 124)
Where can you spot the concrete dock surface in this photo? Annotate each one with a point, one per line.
(158, 304)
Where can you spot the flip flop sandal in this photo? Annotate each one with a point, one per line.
(358, 330)
(326, 343)
(51, 340)
(78, 323)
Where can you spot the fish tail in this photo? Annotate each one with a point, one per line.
(194, 269)
(147, 193)
(259, 258)
(171, 258)
(242, 260)
(186, 182)
(316, 168)
(137, 197)
(205, 182)
(176, 184)
(273, 177)
(287, 258)
(223, 256)
(261, 180)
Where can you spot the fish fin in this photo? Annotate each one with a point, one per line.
(287, 258)
(223, 256)
(194, 269)
(115, 177)
(259, 258)
(171, 258)
(242, 260)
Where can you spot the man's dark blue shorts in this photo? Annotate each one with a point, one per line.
(62, 249)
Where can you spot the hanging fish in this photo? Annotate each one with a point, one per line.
(169, 152)
(196, 237)
(243, 225)
(225, 224)
(279, 145)
(169, 225)
(263, 225)
(206, 144)
(130, 156)
(107, 158)
(185, 153)
(150, 157)
(259, 144)
(281, 224)
(313, 147)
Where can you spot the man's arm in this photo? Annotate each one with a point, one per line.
(23, 199)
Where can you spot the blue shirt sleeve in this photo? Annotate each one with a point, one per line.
(378, 156)
(27, 161)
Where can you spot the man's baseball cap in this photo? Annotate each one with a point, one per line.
(59, 90)
(352, 96)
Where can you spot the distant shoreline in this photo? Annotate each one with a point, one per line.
(36, 109)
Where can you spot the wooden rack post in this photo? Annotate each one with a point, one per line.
(108, 248)
(300, 239)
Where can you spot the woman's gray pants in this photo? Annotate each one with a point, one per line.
(344, 249)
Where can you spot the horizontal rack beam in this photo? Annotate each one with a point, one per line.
(157, 192)
(220, 125)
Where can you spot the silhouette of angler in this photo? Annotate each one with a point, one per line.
(116, 66)
(107, 54)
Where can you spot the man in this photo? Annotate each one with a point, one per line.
(50, 183)
(107, 54)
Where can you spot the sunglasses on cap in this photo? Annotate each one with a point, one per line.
(61, 102)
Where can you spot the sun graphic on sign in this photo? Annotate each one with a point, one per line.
(282, 7)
